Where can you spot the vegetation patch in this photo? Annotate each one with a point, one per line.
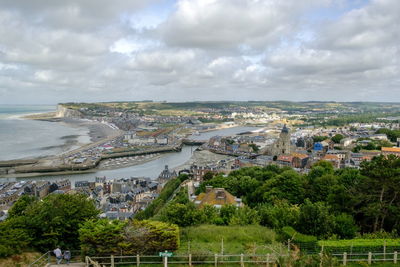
(211, 239)
(359, 242)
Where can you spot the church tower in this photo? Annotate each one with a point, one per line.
(282, 145)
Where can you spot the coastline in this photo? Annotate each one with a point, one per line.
(87, 133)
(97, 132)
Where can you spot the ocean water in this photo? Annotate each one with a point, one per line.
(21, 138)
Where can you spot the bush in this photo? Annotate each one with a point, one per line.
(315, 219)
(345, 226)
(278, 215)
(304, 242)
(14, 238)
(150, 237)
(104, 237)
(55, 220)
(181, 214)
(244, 216)
(101, 237)
(288, 232)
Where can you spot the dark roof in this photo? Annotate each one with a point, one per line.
(285, 129)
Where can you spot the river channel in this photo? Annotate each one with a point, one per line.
(149, 169)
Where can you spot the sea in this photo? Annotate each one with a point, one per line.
(23, 139)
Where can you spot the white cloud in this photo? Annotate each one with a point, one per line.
(54, 51)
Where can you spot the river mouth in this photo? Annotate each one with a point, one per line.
(147, 168)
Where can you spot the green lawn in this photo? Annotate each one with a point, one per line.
(359, 242)
(364, 264)
(208, 239)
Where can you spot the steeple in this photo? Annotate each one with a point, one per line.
(285, 129)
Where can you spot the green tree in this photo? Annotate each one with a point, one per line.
(254, 147)
(337, 138)
(344, 226)
(14, 236)
(182, 214)
(278, 215)
(379, 194)
(288, 185)
(226, 213)
(244, 216)
(208, 176)
(315, 219)
(20, 206)
(105, 237)
(391, 134)
(55, 220)
(322, 187)
(101, 237)
(317, 138)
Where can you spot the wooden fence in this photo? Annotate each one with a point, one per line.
(239, 260)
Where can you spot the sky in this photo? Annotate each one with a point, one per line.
(199, 50)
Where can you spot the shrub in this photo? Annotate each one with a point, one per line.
(278, 215)
(104, 237)
(345, 226)
(13, 237)
(305, 242)
(315, 219)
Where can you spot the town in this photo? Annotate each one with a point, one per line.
(278, 137)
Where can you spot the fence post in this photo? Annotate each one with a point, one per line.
(395, 257)
(87, 261)
(216, 260)
(48, 257)
(137, 260)
(384, 250)
(344, 258)
(190, 260)
(268, 260)
(369, 258)
(288, 245)
(241, 260)
(112, 261)
(321, 256)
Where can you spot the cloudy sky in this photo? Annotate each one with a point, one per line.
(101, 50)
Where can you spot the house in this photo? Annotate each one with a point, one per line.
(41, 189)
(217, 197)
(334, 159)
(342, 154)
(379, 137)
(161, 140)
(199, 171)
(327, 144)
(285, 160)
(299, 160)
(390, 151)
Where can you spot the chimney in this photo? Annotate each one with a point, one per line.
(208, 188)
(220, 194)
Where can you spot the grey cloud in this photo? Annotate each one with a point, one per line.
(57, 51)
(231, 24)
(74, 14)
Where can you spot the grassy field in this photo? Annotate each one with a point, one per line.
(364, 264)
(205, 239)
(358, 242)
